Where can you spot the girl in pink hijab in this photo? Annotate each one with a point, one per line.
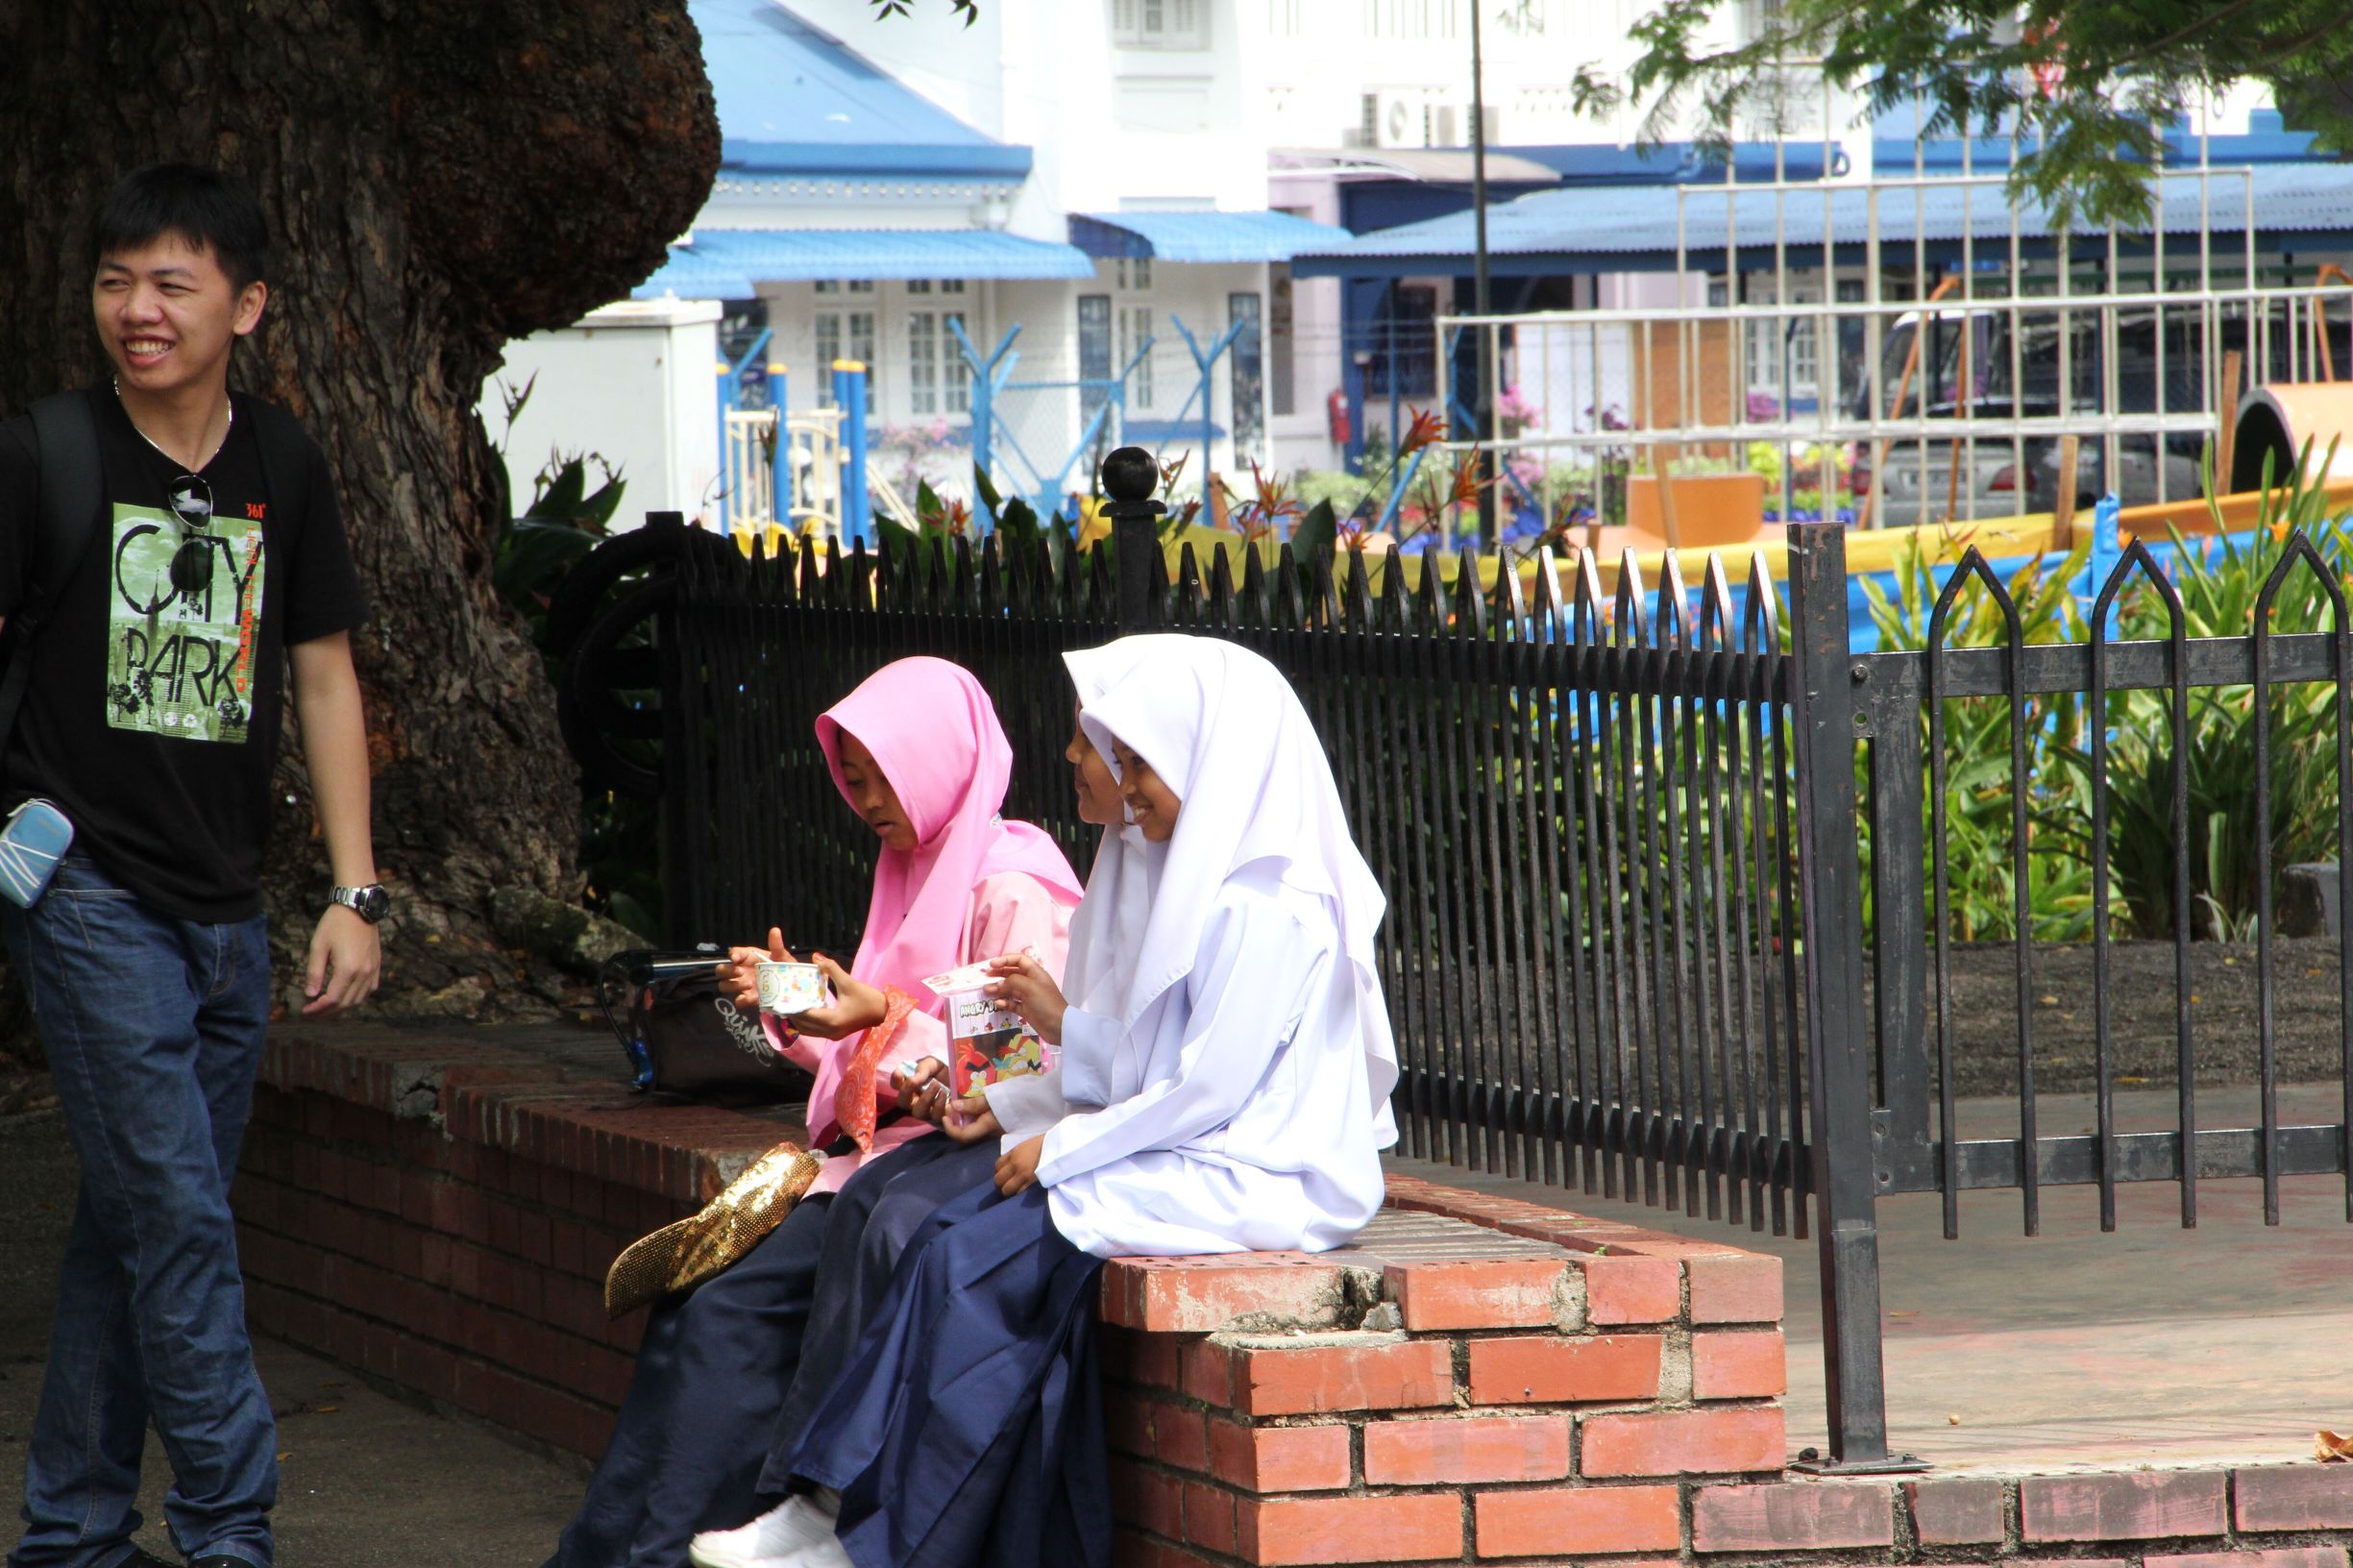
(919, 756)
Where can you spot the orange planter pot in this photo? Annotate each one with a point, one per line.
(1710, 510)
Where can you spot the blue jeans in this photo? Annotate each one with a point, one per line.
(154, 1030)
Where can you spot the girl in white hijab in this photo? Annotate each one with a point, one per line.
(1226, 1058)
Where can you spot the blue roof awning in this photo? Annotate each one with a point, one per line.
(1634, 229)
(689, 276)
(1201, 236)
(780, 255)
(794, 99)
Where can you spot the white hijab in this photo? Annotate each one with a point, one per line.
(1225, 731)
(1110, 920)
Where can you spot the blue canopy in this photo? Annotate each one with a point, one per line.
(1201, 236)
(1632, 229)
(778, 256)
(693, 276)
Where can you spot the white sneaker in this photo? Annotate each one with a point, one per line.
(778, 1537)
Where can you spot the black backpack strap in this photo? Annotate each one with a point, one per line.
(65, 525)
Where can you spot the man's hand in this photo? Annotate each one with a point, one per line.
(739, 977)
(1017, 1171)
(346, 961)
(856, 1005)
(1024, 985)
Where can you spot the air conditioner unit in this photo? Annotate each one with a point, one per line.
(1397, 119)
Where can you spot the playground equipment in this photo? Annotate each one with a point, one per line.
(805, 472)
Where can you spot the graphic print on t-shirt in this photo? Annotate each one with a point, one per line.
(180, 661)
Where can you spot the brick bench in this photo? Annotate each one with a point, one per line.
(1479, 1379)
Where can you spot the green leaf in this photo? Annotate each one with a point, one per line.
(597, 512)
(562, 489)
(533, 555)
(1016, 521)
(898, 540)
(987, 492)
(1317, 531)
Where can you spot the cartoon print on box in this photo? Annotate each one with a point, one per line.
(180, 660)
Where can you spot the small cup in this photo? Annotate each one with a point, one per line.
(787, 989)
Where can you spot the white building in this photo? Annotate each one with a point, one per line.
(1088, 174)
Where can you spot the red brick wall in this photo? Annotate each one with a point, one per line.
(440, 1215)
(1479, 1380)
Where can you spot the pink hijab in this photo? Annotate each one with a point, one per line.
(935, 735)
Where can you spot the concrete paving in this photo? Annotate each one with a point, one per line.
(2074, 1349)
(2150, 1346)
(366, 1482)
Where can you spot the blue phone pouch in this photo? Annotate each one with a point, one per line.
(35, 839)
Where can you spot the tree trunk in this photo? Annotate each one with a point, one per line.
(441, 176)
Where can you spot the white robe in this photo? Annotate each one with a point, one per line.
(1219, 1130)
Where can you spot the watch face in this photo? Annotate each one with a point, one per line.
(374, 904)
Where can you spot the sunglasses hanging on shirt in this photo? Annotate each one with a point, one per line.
(191, 500)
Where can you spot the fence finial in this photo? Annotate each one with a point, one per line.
(1129, 477)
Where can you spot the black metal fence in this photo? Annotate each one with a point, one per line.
(1621, 836)
(1590, 951)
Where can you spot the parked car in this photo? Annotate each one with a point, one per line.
(1969, 365)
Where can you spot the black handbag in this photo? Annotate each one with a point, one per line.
(685, 1039)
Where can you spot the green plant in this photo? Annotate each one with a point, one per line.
(2220, 584)
(1978, 830)
(563, 523)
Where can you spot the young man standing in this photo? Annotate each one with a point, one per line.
(213, 554)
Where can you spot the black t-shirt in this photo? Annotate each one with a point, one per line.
(152, 714)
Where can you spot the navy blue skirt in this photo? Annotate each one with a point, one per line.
(718, 1366)
(967, 1432)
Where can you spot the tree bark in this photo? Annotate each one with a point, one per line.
(441, 176)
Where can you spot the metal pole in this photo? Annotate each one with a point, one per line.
(780, 458)
(684, 870)
(849, 396)
(1128, 479)
(1823, 677)
(983, 413)
(1483, 409)
(726, 450)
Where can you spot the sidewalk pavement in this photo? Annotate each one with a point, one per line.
(2153, 1345)
(366, 1482)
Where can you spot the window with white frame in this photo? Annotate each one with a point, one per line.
(1159, 24)
(836, 285)
(1784, 352)
(935, 381)
(1135, 330)
(844, 334)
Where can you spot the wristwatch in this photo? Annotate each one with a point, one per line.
(371, 903)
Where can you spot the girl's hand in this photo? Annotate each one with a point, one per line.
(856, 1005)
(970, 1120)
(915, 1081)
(1018, 1172)
(1024, 985)
(739, 977)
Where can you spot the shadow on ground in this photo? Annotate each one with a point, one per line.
(365, 1480)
